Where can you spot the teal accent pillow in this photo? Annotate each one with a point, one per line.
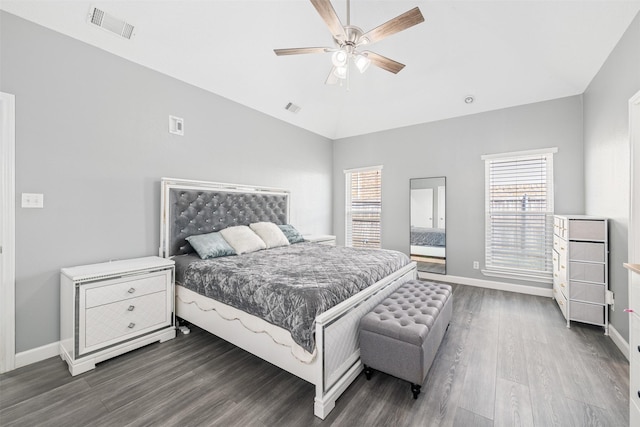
(210, 245)
(292, 234)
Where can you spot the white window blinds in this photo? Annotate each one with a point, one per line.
(519, 214)
(363, 207)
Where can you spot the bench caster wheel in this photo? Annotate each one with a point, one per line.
(368, 372)
(415, 389)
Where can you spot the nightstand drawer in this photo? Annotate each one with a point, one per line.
(117, 321)
(126, 288)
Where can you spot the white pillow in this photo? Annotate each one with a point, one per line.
(242, 239)
(270, 233)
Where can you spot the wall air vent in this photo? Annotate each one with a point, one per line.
(110, 23)
(292, 107)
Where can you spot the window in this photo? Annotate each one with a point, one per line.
(363, 207)
(519, 215)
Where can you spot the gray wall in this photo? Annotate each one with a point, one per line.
(452, 148)
(607, 154)
(91, 134)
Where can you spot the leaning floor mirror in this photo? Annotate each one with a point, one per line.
(428, 235)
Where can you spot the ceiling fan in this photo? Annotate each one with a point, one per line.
(350, 39)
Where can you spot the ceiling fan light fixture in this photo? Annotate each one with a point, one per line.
(340, 72)
(362, 62)
(339, 58)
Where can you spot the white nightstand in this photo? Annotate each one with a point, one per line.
(111, 308)
(323, 239)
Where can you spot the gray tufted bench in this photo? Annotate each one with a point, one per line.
(401, 335)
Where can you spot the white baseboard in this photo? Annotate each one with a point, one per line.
(37, 354)
(481, 283)
(619, 341)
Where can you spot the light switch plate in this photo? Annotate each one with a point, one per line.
(32, 200)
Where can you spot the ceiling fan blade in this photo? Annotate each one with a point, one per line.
(332, 79)
(395, 25)
(300, 50)
(329, 16)
(384, 62)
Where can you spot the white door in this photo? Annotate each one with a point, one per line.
(422, 207)
(7, 232)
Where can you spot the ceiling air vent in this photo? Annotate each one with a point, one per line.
(292, 107)
(110, 23)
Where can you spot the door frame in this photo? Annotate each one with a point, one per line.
(634, 187)
(7, 232)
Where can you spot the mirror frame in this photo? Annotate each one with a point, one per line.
(429, 258)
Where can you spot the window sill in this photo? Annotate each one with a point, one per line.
(519, 276)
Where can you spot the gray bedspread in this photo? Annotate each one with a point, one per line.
(290, 285)
(427, 236)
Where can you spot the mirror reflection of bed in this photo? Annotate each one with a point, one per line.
(428, 237)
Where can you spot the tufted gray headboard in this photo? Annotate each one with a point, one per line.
(198, 207)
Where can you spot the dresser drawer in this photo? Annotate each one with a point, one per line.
(120, 320)
(634, 417)
(587, 251)
(560, 227)
(634, 293)
(588, 292)
(125, 288)
(587, 272)
(584, 229)
(634, 336)
(585, 312)
(562, 303)
(634, 381)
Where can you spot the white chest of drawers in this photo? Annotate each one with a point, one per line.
(580, 269)
(110, 308)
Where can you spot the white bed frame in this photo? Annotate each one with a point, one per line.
(337, 362)
(432, 251)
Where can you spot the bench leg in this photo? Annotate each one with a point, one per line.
(368, 372)
(415, 389)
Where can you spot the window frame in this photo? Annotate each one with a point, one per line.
(348, 236)
(490, 269)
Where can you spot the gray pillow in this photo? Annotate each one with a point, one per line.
(210, 245)
(292, 234)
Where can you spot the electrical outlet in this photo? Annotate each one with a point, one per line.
(32, 200)
(476, 265)
(609, 299)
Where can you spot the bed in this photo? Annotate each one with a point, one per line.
(429, 242)
(325, 354)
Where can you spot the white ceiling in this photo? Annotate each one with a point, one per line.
(504, 53)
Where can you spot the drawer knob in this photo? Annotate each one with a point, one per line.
(131, 290)
(131, 307)
(132, 325)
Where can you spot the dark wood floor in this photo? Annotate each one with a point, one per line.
(507, 360)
